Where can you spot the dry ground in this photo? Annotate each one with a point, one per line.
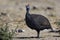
(15, 10)
(29, 34)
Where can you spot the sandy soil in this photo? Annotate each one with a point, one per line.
(15, 10)
(29, 34)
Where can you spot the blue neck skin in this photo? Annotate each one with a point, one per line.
(27, 8)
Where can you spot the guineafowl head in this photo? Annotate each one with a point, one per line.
(27, 8)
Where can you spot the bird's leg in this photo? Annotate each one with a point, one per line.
(38, 34)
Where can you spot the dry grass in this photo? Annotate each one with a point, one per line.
(15, 10)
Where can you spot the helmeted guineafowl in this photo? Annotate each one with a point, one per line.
(36, 22)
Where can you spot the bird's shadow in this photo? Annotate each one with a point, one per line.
(56, 36)
(27, 37)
